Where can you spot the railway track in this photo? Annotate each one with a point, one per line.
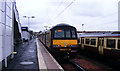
(70, 65)
(106, 63)
(90, 64)
(81, 63)
(76, 65)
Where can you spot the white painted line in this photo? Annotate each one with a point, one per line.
(41, 61)
(26, 63)
(31, 47)
(54, 60)
(31, 51)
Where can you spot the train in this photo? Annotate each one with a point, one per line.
(61, 40)
(104, 44)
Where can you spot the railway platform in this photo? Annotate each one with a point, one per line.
(32, 57)
(45, 59)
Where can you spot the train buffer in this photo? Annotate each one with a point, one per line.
(33, 57)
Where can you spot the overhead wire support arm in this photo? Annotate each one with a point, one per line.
(65, 8)
(57, 9)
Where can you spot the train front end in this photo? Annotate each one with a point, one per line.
(64, 41)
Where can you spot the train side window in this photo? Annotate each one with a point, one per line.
(78, 40)
(47, 37)
(102, 42)
(111, 43)
(93, 41)
(87, 41)
(118, 44)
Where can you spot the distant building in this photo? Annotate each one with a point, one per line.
(25, 34)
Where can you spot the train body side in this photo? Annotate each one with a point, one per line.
(107, 45)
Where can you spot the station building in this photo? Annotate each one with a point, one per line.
(10, 30)
(25, 34)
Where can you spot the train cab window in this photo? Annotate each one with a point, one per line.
(68, 34)
(111, 43)
(93, 41)
(59, 34)
(118, 44)
(73, 34)
(87, 41)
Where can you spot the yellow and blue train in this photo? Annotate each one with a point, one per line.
(61, 40)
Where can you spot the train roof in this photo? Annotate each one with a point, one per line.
(61, 25)
(108, 34)
(58, 25)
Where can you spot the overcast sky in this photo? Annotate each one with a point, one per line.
(96, 15)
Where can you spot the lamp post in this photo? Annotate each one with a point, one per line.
(82, 27)
(28, 22)
(28, 18)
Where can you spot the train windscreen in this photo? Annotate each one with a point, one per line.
(65, 33)
(59, 33)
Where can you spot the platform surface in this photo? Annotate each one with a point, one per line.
(32, 56)
(45, 59)
(25, 58)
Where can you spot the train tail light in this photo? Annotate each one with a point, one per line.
(73, 45)
(56, 45)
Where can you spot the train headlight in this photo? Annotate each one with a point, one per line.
(56, 45)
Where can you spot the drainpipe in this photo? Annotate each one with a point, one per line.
(5, 38)
(12, 39)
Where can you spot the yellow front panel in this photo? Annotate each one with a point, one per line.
(64, 42)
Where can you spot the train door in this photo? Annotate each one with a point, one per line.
(82, 43)
(100, 45)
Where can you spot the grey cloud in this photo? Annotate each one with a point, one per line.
(88, 9)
